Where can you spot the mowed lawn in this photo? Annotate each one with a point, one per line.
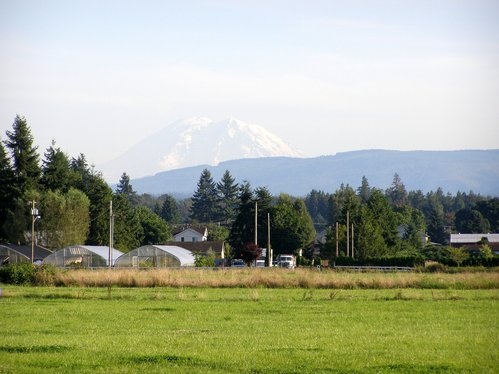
(248, 330)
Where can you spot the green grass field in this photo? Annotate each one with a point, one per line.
(248, 330)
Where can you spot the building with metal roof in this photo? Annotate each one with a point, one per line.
(473, 238)
(474, 241)
(203, 247)
(158, 256)
(82, 256)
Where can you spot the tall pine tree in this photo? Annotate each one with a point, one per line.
(24, 156)
(8, 192)
(204, 201)
(227, 197)
(56, 170)
(243, 228)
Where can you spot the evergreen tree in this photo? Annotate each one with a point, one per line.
(344, 199)
(170, 210)
(100, 194)
(243, 228)
(471, 221)
(416, 199)
(369, 241)
(490, 211)
(56, 170)
(227, 191)
(24, 156)
(128, 230)
(264, 200)
(364, 191)
(8, 191)
(397, 194)
(17, 222)
(125, 188)
(384, 216)
(204, 201)
(434, 214)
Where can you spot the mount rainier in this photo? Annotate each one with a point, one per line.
(196, 141)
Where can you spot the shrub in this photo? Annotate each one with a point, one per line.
(20, 274)
(435, 267)
(28, 274)
(45, 275)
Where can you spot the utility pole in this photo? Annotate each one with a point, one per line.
(111, 233)
(337, 252)
(348, 233)
(256, 223)
(353, 253)
(34, 217)
(269, 251)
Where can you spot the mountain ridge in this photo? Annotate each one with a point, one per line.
(459, 170)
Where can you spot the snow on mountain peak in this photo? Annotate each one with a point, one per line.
(197, 141)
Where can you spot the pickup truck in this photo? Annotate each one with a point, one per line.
(286, 261)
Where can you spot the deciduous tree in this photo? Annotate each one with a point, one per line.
(65, 218)
(291, 226)
(154, 230)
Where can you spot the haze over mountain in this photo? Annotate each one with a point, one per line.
(195, 141)
(476, 170)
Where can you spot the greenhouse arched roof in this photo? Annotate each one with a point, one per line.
(185, 256)
(82, 255)
(156, 256)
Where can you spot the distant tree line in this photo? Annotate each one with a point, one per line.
(74, 201)
(71, 196)
(395, 221)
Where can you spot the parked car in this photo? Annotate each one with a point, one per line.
(237, 263)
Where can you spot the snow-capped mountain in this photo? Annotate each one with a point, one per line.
(197, 141)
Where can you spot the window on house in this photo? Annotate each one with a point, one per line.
(193, 238)
(182, 239)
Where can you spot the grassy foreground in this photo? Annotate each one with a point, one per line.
(248, 330)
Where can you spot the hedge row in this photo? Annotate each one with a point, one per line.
(401, 261)
(27, 274)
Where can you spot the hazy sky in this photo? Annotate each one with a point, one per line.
(326, 76)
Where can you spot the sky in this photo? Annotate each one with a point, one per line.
(325, 76)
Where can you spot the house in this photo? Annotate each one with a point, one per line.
(190, 234)
(202, 247)
(473, 242)
(402, 232)
(319, 241)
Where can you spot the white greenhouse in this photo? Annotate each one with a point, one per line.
(157, 256)
(13, 254)
(85, 256)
